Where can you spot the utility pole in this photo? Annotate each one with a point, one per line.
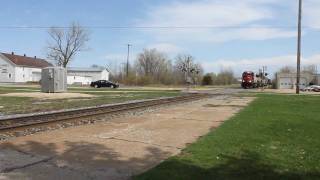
(264, 73)
(128, 59)
(299, 48)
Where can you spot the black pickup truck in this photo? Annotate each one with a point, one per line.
(104, 83)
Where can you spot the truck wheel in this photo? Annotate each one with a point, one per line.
(96, 86)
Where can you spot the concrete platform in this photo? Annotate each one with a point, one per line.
(116, 149)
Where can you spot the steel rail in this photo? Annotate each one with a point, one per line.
(51, 117)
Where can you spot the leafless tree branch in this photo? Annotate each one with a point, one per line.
(65, 44)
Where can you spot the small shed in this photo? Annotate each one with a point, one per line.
(53, 80)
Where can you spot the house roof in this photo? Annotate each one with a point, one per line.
(79, 69)
(27, 61)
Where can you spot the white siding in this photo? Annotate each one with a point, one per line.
(286, 83)
(12, 73)
(104, 75)
(80, 80)
(36, 76)
(7, 71)
(86, 77)
(27, 74)
(290, 83)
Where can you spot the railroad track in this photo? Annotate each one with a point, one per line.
(25, 122)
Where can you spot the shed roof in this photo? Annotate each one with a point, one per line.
(27, 61)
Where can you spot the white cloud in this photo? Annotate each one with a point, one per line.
(115, 57)
(273, 63)
(202, 13)
(311, 13)
(233, 13)
(166, 48)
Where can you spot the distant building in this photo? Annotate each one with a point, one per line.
(288, 80)
(21, 69)
(84, 76)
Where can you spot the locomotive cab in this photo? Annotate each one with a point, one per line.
(247, 80)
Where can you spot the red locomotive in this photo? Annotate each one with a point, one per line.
(248, 80)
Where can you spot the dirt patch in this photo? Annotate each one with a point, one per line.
(117, 148)
(79, 99)
(222, 105)
(112, 92)
(39, 95)
(41, 102)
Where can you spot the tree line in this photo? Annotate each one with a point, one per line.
(150, 66)
(154, 67)
(225, 77)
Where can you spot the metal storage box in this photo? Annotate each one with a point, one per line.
(53, 79)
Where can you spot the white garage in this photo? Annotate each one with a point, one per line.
(84, 76)
(288, 80)
(289, 83)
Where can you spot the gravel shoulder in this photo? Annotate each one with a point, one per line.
(118, 148)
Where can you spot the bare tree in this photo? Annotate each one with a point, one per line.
(66, 43)
(185, 64)
(225, 77)
(151, 62)
(288, 69)
(310, 69)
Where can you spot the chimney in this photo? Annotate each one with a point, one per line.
(12, 53)
(24, 55)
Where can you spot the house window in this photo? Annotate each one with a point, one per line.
(9, 75)
(74, 77)
(23, 76)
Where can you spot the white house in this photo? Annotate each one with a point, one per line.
(84, 76)
(21, 69)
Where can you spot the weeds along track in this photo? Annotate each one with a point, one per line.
(28, 124)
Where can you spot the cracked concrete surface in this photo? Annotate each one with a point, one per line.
(116, 149)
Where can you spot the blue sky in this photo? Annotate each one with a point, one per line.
(255, 33)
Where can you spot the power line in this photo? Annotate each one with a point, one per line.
(162, 27)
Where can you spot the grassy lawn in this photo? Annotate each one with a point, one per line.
(17, 105)
(9, 89)
(276, 137)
